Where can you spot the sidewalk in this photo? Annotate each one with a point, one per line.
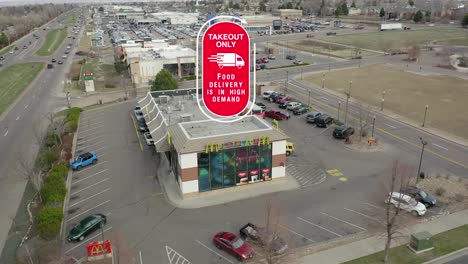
(375, 244)
(172, 192)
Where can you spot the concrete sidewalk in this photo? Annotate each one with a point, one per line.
(375, 244)
(198, 200)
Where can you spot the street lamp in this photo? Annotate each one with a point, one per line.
(287, 80)
(339, 106)
(425, 114)
(424, 143)
(383, 100)
(308, 100)
(348, 95)
(323, 83)
(373, 125)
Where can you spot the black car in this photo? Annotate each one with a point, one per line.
(2, 58)
(290, 57)
(142, 125)
(421, 196)
(323, 120)
(300, 110)
(50, 66)
(59, 62)
(343, 131)
(53, 60)
(283, 105)
(86, 227)
(312, 117)
(274, 95)
(331, 33)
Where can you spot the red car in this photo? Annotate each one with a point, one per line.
(275, 115)
(282, 99)
(264, 60)
(232, 244)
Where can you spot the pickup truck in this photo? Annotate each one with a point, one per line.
(275, 115)
(264, 237)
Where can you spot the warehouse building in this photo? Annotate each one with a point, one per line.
(207, 155)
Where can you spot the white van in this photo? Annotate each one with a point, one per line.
(292, 105)
(266, 95)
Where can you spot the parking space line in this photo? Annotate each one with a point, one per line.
(80, 244)
(214, 252)
(95, 132)
(343, 221)
(89, 124)
(87, 210)
(79, 132)
(141, 259)
(439, 146)
(92, 175)
(294, 232)
(389, 125)
(323, 228)
(372, 205)
(90, 197)
(361, 214)
(81, 141)
(88, 168)
(103, 147)
(94, 144)
(92, 185)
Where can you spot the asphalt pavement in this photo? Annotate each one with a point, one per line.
(24, 122)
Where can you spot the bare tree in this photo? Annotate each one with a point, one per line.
(364, 115)
(444, 53)
(396, 182)
(27, 169)
(413, 53)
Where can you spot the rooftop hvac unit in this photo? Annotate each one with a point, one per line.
(163, 99)
(185, 118)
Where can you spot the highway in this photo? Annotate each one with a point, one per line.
(21, 125)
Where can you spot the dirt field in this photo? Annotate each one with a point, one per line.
(406, 94)
(325, 49)
(389, 41)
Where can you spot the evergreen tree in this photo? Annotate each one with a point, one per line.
(382, 13)
(164, 81)
(418, 16)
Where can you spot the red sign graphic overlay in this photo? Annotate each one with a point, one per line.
(226, 69)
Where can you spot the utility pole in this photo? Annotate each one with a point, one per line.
(287, 80)
(373, 125)
(424, 143)
(308, 101)
(339, 106)
(323, 83)
(425, 114)
(348, 95)
(383, 100)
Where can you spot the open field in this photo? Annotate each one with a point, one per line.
(444, 243)
(15, 79)
(395, 40)
(407, 94)
(319, 47)
(5, 50)
(53, 41)
(105, 76)
(85, 43)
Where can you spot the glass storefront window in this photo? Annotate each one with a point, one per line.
(203, 172)
(216, 170)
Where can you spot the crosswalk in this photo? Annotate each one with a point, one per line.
(306, 174)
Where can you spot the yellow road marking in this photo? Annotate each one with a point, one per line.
(395, 136)
(335, 173)
(136, 131)
(343, 179)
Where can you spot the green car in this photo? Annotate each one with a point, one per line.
(86, 227)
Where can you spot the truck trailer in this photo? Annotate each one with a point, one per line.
(390, 26)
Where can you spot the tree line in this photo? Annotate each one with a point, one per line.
(17, 21)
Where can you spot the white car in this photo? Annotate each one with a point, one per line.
(292, 105)
(138, 113)
(64, 56)
(148, 139)
(406, 203)
(266, 94)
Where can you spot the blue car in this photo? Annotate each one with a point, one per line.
(84, 160)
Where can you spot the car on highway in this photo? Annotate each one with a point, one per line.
(2, 58)
(148, 138)
(275, 115)
(297, 62)
(25, 47)
(234, 245)
(312, 117)
(86, 226)
(84, 160)
(11, 51)
(323, 120)
(64, 56)
(421, 196)
(343, 131)
(66, 52)
(50, 66)
(53, 60)
(59, 62)
(331, 33)
(265, 237)
(300, 110)
(406, 202)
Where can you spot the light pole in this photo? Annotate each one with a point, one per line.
(339, 106)
(308, 100)
(424, 143)
(286, 82)
(425, 114)
(348, 95)
(373, 125)
(68, 100)
(383, 100)
(323, 83)
(302, 69)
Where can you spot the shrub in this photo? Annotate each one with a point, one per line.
(337, 122)
(60, 169)
(459, 197)
(50, 219)
(47, 159)
(109, 85)
(440, 191)
(54, 189)
(73, 114)
(52, 139)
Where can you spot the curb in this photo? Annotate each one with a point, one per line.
(451, 256)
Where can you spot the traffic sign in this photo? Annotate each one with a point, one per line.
(226, 69)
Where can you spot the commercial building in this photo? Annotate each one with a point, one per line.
(175, 18)
(145, 62)
(207, 155)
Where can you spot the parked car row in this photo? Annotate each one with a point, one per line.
(411, 199)
(142, 126)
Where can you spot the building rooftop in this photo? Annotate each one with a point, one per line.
(171, 52)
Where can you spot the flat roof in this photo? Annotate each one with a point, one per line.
(211, 128)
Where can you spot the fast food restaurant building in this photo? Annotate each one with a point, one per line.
(207, 155)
